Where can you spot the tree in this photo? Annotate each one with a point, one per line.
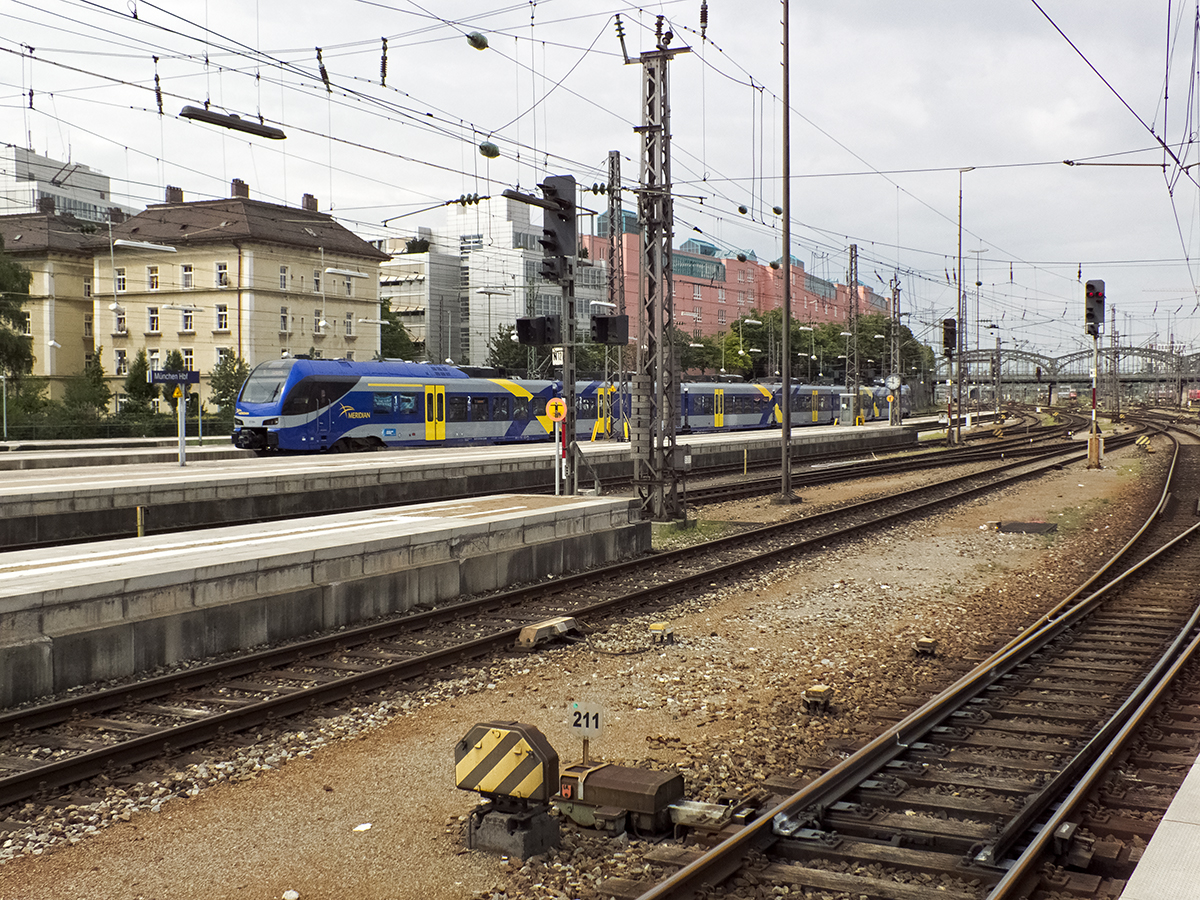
(416, 245)
(87, 392)
(16, 347)
(174, 363)
(139, 393)
(394, 342)
(225, 383)
(504, 352)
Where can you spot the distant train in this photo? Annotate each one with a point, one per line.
(312, 405)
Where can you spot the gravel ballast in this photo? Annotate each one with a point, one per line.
(288, 812)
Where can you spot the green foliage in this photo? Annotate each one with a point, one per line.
(139, 392)
(225, 382)
(174, 363)
(87, 392)
(394, 342)
(16, 348)
(416, 245)
(504, 351)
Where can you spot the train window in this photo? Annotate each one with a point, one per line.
(266, 381)
(702, 404)
(456, 409)
(406, 404)
(585, 407)
(500, 409)
(384, 403)
(316, 393)
(520, 409)
(801, 403)
(479, 409)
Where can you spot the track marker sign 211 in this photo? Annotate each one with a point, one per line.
(586, 719)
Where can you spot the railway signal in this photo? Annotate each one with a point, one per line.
(538, 331)
(612, 330)
(1093, 309)
(560, 236)
(949, 337)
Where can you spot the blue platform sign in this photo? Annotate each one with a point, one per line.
(158, 376)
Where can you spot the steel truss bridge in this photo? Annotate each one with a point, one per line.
(1126, 373)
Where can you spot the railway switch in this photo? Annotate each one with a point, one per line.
(816, 698)
(662, 633)
(514, 768)
(540, 632)
(925, 646)
(613, 798)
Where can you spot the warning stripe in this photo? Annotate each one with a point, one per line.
(501, 762)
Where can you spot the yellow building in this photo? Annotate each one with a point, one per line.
(59, 315)
(233, 277)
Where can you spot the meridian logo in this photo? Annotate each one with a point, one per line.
(351, 413)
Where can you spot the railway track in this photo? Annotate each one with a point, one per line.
(60, 743)
(997, 787)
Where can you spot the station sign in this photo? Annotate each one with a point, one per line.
(158, 376)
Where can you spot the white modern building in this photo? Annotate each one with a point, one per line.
(27, 179)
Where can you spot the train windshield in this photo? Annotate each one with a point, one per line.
(265, 383)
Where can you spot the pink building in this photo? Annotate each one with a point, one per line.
(713, 290)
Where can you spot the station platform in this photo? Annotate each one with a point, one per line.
(55, 505)
(89, 612)
(1170, 865)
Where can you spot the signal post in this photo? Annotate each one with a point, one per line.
(1093, 324)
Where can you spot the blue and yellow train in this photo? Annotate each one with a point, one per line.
(312, 405)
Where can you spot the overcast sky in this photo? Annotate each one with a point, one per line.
(889, 101)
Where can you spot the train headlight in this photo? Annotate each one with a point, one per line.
(238, 422)
(274, 421)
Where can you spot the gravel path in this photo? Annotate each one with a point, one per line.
(362, 804)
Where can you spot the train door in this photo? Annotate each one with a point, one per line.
(435, 412)
(324, 418)
(816, 412)
(719, 408)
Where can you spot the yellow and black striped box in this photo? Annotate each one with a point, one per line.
(506, 759)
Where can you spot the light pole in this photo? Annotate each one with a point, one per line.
(813, 353)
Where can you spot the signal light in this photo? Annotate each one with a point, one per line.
(1093, 307)
(538, 331)
(949, 337)
(611, 330)
(560, 236)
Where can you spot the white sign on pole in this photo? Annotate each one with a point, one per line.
(585, 719)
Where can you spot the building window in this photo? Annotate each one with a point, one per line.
(122, 363)
(317, 320)
(283, 319)
(741, 298)
(120, 279)
(316, 281)
(189, 320)
(188, 276)
(695, 292)
(26, 323)
(152, 319)
(152, 356)
(741, 275)
(751, 298)
(87, 285)
(87, 325)
(222, 275)
(223, 353)
(122, 399)
(316, 354)
(720, 295)
(721, 317)
(349, 287)
(350, 355)
(89, 360)
(152, 278)
(119, 327)
(222, 317)
(283, 278)
(349, 324)
(697, 314)
(187, 359)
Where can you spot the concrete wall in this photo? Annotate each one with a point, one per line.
(58, 639)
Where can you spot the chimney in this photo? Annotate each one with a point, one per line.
(308, 202)
(46, 204)
(174, 194)
(116, 215)
(239, 188)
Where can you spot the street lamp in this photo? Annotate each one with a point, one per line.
(961, 306)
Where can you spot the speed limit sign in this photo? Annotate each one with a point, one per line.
(556, 409)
